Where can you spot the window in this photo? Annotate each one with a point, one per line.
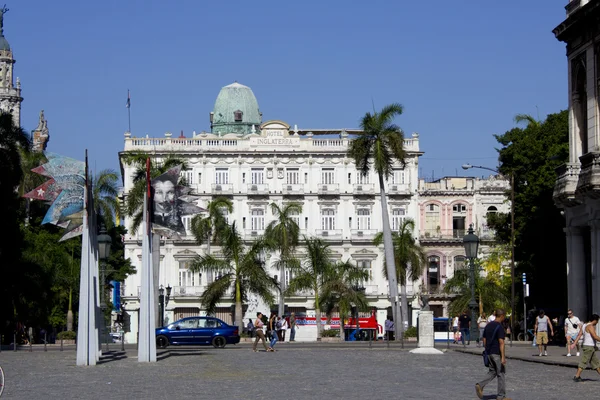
(287, 277)
(328, 219)
(187, 222)
(306, 177)
(258, 176)
(398, 177)
(432, 218)
(222, 176)
(186, 277)
(295, 216)
(188, 176)
(398, 215)
(364, 219)
(199, 178)
(366, 265)
(292, 176)
(225, 214)
(492, 210)
(362, 179)
(459, 208)
(459, 262)
(327, 176)
(258, 220)
(433, 273)
(237, 115)
(459, 216)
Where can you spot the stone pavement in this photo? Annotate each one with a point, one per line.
(295, 371)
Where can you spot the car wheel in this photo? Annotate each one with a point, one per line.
(162, 341)
(219, 342)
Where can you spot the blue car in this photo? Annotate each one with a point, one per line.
(197, 331)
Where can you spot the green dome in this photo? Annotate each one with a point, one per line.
(236, 110)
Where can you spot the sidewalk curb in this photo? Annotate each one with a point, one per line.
(541, 361)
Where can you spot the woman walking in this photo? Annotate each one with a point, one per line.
(273, 329)
(481, 323)
(258, 329)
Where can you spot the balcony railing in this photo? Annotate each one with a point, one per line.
(363, 234)
(187, 291)
(398, 189)
(566, 183)
(258, 189)
(224, 188)
(330, 188)
(442, 234)
(366, 188)
(293, 189)
(254, 232)
(329, 233)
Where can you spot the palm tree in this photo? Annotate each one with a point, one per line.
(342, 289)
(283, 235)
(206, 228)
(106, 191)
(135, 197)
(409, 257)
(312, 273)
(381, 144)
(490, 292)
(240, 268)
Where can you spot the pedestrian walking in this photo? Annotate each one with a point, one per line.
(273, 330)
(590, 338)
(493, 341)
(282, 328)
(293, 327)
(389, 328)
(465, 327)
(481, 323)
(250, 328)
(542, 325)
(258, 330)
(455, 329)
(572, 329)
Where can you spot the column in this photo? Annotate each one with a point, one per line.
(576, 282)
(595, 249)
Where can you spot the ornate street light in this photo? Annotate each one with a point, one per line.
(471, 242)
(161, 305)
(104, 243)
(512, 245)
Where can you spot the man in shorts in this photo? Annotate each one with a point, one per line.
(590, 338)
(572, 328)
(542, 325)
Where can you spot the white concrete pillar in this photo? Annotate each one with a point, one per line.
(595, 248)
(576, 283)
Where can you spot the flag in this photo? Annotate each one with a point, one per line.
(128, 104)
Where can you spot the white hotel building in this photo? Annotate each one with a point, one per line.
(255, 163)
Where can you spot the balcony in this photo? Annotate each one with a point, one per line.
(258, 189)
(363, 234)
(442, 234)
(364, 188)
(331, 188)
(589, 176)
(252, 233)
(566, 184)
(222, 188)
(329, 233)
(398, 190)
(297, 189)
(191, 291)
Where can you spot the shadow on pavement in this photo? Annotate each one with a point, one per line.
(110, 356)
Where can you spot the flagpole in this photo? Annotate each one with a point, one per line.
(128, 111)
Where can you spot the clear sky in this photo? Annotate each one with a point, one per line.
(462, 69)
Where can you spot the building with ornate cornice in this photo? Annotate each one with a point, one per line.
(255, 163)
(10, 93)
(447, 207)
(577, 189)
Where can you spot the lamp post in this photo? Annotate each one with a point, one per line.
(471, 242)
(512, 245)
(163, 302)
(104, 243)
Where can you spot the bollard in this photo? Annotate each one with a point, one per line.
(370, 340)
(122, 341)
(15, 342)
(61, 343)
(45, 342)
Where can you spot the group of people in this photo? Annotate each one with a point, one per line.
(580, 335)
(461, 326)
(276, 327)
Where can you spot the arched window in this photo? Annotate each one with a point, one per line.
(492, 209)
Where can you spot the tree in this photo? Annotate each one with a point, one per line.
(283, 235)
(409, 256)
(239, 268)
(312, 273)
(381, 145)
(206, 228)
(341, 290)
(106, 191)
(531, 154)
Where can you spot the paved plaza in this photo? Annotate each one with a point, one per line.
(296, 371)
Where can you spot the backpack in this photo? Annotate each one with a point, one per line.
(278, 324)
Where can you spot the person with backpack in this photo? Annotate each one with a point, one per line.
(250, 328)
(493, 342)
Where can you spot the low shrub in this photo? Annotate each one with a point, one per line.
(66, 335)
(330, 333)
(411, 332)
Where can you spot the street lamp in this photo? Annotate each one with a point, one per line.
(471, 242)
(163, 302)
(104, 243)
(512, 244)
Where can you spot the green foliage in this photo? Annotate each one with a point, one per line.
(66, 335)
(330, 333)
(531, 154)
(411, 332)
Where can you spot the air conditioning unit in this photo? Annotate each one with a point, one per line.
(325, 233)
(324, 188)
(253, 188)
(395, 188)
(359, 188)
(290, 188)
(218, 187)
(253, 233)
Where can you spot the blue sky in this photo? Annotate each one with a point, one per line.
(462, 69)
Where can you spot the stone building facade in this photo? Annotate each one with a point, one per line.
(577, 189)
(10, 93)
(255, 163)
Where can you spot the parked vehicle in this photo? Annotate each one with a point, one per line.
(197, 331)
